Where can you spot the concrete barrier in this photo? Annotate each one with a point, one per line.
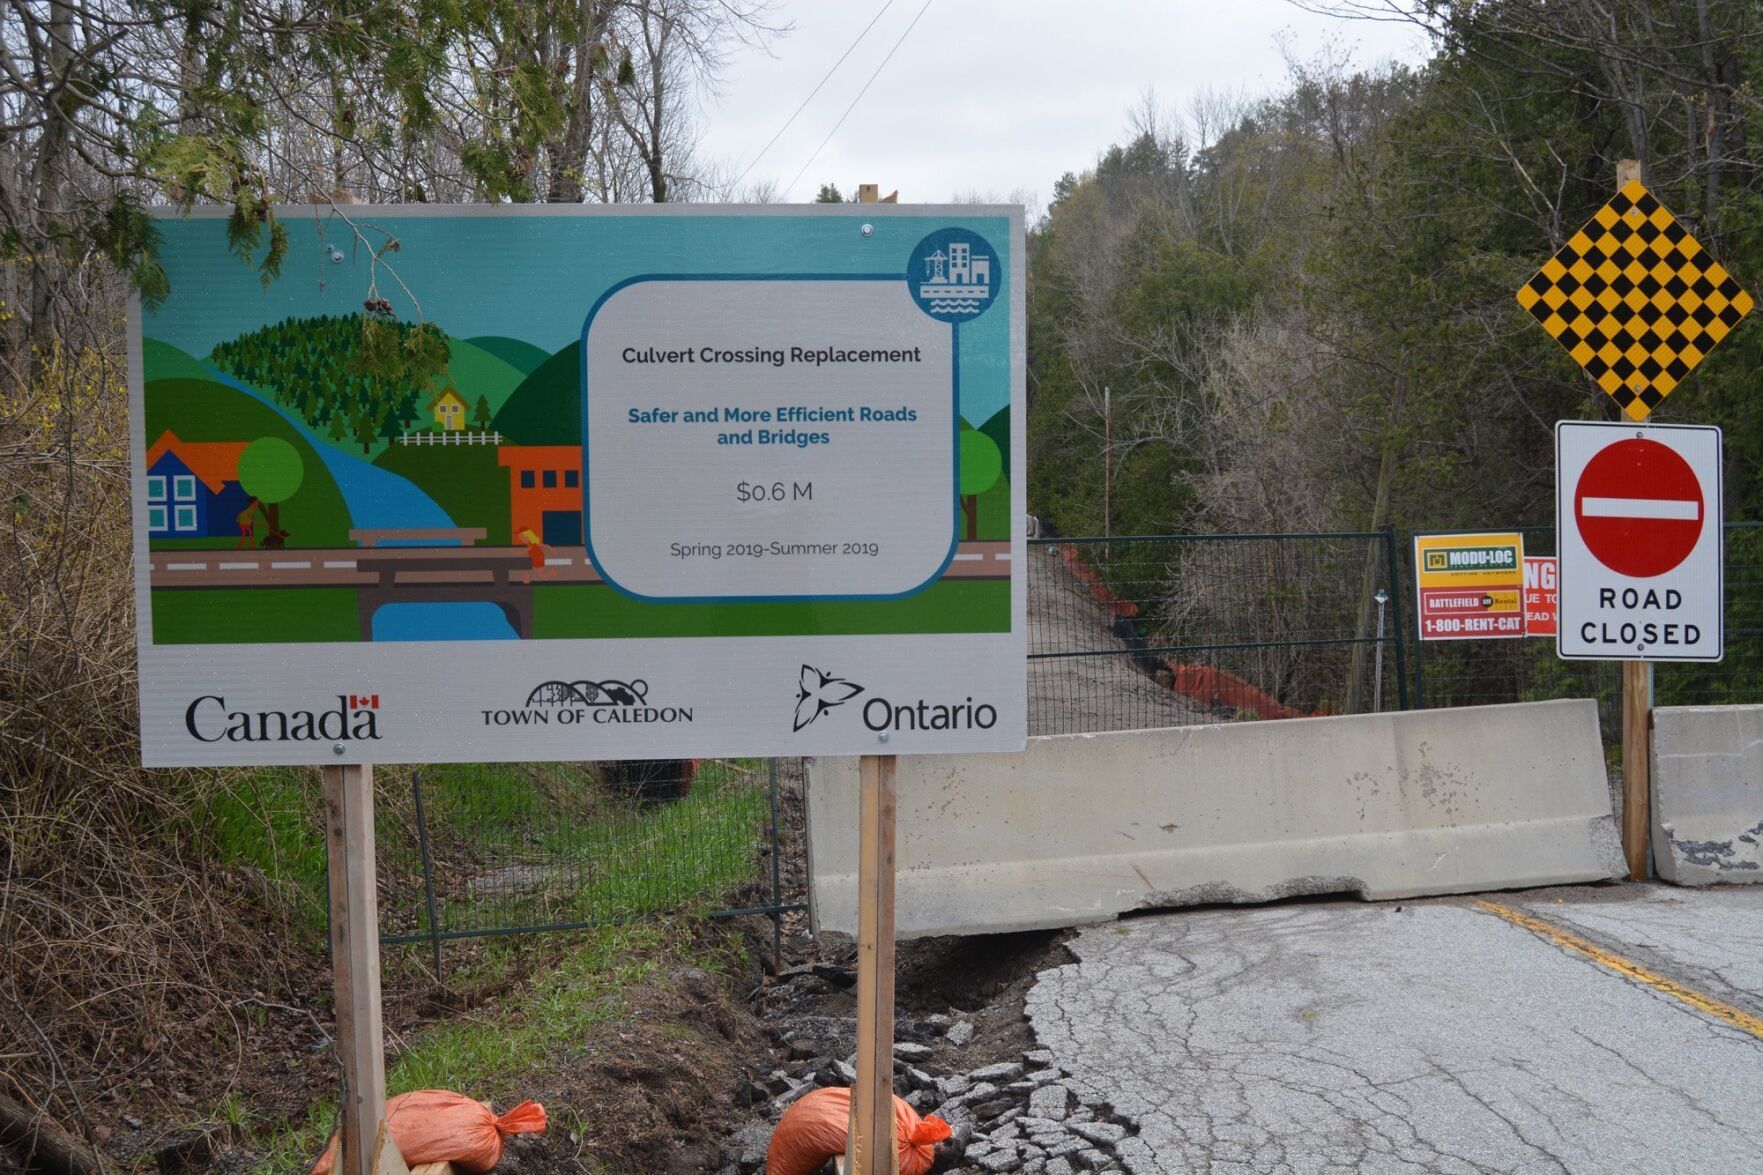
(1080, 828)
(1708, 794)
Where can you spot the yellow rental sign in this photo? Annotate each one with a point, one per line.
(1469, 586)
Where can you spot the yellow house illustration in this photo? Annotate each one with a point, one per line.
(449, 411)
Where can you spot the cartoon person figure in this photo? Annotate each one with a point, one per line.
(248, 524)
(535, 551)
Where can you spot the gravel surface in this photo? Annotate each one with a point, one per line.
(1078, 695)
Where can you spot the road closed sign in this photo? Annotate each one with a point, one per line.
(1639, 518)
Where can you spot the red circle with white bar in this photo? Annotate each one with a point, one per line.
(1639, 508)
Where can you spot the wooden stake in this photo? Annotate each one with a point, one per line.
(873, 1147)
(1637, 712)
(1637, 752)
(355, 960)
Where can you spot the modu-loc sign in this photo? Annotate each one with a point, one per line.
(1639, 518)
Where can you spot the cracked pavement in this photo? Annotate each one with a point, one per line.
(1427, 1036)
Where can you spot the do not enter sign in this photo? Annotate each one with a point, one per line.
(1639, 508)
(1638, 518)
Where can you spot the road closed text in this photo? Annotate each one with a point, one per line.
(1668, 631)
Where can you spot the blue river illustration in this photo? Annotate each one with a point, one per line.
(379, 499)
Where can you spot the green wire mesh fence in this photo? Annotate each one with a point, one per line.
(1124, 633)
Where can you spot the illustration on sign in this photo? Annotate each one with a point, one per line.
(1469, 586)
(1635, 300)
(611, 425)
(1641, 564)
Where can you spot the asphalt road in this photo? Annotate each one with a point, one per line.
(1595, 1029)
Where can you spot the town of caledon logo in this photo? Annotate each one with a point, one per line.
(355, 716)
(818, 691)
(575, 703)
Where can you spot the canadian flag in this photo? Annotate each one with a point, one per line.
(364, 701)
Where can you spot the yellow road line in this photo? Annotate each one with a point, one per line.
(1567, 940)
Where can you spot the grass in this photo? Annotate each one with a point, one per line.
(526, 847)
(586, 989)
(483, 1055)
(271, 819)
(607, 858)
(230, 616)
(595, 610)
(512, 846)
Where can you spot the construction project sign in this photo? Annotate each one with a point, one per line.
(1469, 586)
(497, 484)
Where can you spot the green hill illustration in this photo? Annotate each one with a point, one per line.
(164, 361)
(522, 356)
(546, 409)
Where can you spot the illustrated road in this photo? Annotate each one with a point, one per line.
(1592, 1029)
(365, 566)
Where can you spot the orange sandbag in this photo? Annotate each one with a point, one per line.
(437, 1126)
(815, 1129)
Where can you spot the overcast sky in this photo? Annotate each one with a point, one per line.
(997, 96)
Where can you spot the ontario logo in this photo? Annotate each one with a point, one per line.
(818, 692)
(583, 702)
(355, 717)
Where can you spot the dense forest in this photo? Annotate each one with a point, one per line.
(1301, 308)
(323, 369)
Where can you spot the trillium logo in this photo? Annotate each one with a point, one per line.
(819, 692)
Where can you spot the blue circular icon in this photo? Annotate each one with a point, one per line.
(954, 275)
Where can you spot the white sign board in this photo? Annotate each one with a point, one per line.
(692, 482)
(1638, 515)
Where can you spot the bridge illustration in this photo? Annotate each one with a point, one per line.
(384, 568)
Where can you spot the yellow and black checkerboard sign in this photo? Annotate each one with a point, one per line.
(1635, 300)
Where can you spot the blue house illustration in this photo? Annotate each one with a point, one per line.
(193, 488)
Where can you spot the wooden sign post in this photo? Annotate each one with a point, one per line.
(1637, 710)
(355, 960)
(873, 1147)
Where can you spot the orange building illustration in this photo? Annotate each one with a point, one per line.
(545, 491)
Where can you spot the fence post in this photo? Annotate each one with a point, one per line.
(428, 870)
(1419, 645)
(1397, 625)
(777, 880)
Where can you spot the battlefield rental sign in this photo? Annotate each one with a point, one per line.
(689, 482)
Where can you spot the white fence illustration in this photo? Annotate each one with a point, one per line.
(450, 438)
